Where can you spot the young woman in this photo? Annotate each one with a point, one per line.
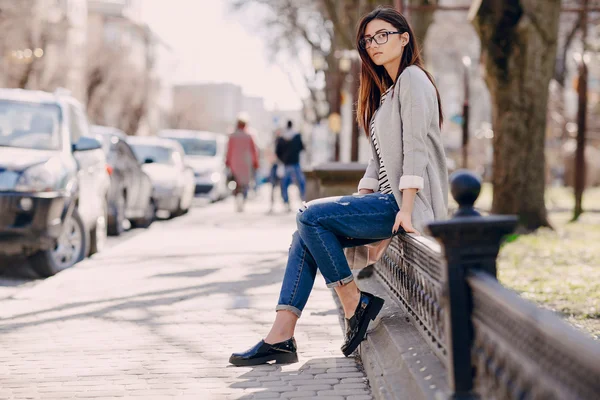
(405, 185)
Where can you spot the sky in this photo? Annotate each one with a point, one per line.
(211, 44)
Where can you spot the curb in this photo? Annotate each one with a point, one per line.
(398, 362)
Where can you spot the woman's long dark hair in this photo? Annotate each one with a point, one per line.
(374, 79)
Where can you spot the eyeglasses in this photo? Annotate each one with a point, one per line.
(379, 38)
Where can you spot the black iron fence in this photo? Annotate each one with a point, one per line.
(413, 270)
(495, 345)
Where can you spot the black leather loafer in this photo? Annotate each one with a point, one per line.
(356, 327)
(262, 353)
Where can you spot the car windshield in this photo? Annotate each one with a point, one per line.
(198, 147)
(158, 154)
(29, 125)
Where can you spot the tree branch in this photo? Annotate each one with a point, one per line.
(560, 72)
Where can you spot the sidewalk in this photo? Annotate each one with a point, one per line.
(157, 317)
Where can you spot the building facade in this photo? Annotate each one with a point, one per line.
(132, 66)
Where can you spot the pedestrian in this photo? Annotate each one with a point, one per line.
(404, 187)
(275, 174)
(242, 160)
(288, 149)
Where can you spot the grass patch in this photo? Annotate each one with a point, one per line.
(558, 269)
(557, 199)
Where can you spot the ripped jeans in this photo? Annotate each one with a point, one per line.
(325, 227)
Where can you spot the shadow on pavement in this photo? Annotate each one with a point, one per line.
(146, 302)
(194, 273)
(273, 380)
(123, 259)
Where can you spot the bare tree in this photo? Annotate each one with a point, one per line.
(28, 31)
(421, 18)
(291, 27)
(117, 90)
(327, 28)
(518, 42)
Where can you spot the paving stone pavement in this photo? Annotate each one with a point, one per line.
(157, 316)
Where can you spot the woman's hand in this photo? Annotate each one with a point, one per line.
(404, 220)
(365, 191)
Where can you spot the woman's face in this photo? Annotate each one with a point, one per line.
(389, 51)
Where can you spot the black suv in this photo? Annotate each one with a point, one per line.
(53, 181)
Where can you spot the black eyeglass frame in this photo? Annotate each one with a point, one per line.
(370, 40)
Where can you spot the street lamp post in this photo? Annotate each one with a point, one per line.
(582, 86)
(580, 170)
(465, 128)
(349, 65)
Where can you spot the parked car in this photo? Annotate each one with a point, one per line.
(205, 153)
(130, 193)
(172, 179)
(53, 181)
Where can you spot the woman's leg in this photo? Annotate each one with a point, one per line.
(297, 284)
(326, 226)
(298, 281)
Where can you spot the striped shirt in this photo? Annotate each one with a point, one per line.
(384, 183)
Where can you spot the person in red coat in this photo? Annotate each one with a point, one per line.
(242, 160)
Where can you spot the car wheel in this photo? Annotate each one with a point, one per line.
(117, 226)
(183, 210)
(149, 216)
(178, 211)
(189, 201)
(70, 249)
(99, 234)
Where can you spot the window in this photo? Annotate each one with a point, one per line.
(30, 125)
(78, 123)
(198, 147)
(157, 154)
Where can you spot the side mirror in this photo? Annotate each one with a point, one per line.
(86, 143)
(148, 161)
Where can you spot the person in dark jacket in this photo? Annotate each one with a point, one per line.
(288, 148)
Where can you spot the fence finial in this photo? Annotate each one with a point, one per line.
(465, 187)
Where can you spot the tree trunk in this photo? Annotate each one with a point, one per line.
(518, 41)
(421, 19)
(582, 87)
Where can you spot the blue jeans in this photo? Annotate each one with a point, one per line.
(325, 228)
(292, 171)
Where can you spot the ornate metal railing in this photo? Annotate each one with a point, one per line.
(412, 270)
(494, 344)
(521, 351)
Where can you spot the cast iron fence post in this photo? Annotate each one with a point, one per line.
(469, 241)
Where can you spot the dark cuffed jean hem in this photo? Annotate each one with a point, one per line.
(281, 307)
(341, 282)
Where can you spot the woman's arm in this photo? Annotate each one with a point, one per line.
(417, 105)
(417, 102)
(370, 181)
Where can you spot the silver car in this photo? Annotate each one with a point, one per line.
(53, 181)
(205, 153)
(172, 180)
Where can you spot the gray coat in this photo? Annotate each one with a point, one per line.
(408, 132)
